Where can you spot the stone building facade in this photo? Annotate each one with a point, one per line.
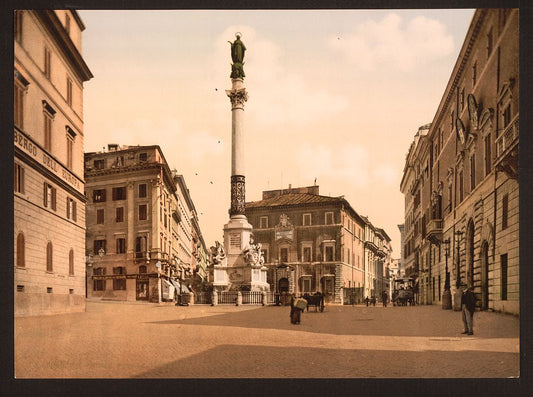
(49, 204)
(140, 244)
(461, 176)
(315, 243)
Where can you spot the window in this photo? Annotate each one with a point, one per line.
(71, 262)
(506, 115)
(98, 195)
(18, 26)
(462, 98)
(305, 284)
(329, 256)
(49, 290)
(49, 196)
(99, 284)
(307, 220)
(119, 193)
(69, 91)
(21, 250)
(49, 257)
(505, 211)
(99, 245)
(329, 218)
(121, 245)
(70, 151)
(461, 186)
(489, 43)
(71, 291)
(284, 254)
(20, 88)
(474, 74)
(20, 288)
(142, 269)
(19, 178)
(472, 172)
(67, 23)
(71, 209)
(140, 246)
(142, 190)
(100, 217)
(119, 214)
(119, 283)
(306, 257)
(99, 164)
(47, 131)
(488, 155)
(142, 212)
(263, 222)
(143, 157)
(503, 261)
(47, 64)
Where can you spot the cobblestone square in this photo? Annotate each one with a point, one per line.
(127, 340)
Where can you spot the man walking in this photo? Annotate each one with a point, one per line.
(385, 298)
(468, 305)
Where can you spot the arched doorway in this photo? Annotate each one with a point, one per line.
(283, 285)
(470, 253)
(484, 275)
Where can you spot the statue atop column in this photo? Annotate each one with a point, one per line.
(237, 55)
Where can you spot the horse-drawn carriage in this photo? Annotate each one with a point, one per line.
(403, 293)
(316, 300)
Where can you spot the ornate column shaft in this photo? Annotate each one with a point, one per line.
(238, 96)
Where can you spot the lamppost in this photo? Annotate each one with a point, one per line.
(446, 295)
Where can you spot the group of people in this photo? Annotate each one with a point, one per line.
(468, 306)
(384, 299)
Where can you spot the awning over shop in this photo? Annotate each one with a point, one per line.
(175, 283)
(180, 287)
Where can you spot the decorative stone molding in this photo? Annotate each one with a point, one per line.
(237, 195)
(237, 97)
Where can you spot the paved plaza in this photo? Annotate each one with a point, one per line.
(129, 340)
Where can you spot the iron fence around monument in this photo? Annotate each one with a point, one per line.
(203, 298)
(252, 298)
(227, 297)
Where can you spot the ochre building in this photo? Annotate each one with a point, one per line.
(313, 243)
(49, 200)
(461, 174)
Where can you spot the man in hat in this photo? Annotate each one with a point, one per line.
(468, 306)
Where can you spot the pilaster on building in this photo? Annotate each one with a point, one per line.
(461, 175)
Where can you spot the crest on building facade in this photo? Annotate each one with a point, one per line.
(284, 229)
(473, 111)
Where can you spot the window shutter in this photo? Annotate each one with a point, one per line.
(74, 212)
(21, 176)
(45, 200)
(54, 199)
(68, 208)
(95, 247)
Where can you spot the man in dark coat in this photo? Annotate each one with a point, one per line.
(468, 306)
(385, 298)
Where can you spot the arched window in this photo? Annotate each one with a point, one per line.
(49, 262)
(21, 249)
(71, 262)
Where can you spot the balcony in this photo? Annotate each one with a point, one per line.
(507, 140)
(434, 231)
(507, 149)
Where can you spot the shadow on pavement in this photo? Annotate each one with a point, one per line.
(236, 361)
(346, 320)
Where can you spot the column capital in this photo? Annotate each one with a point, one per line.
(237, 97)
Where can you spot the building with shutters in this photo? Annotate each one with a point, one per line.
(460, 178)
(49, 201)
(313, 243)
(141, 243)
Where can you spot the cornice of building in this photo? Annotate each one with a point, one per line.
(56, 30)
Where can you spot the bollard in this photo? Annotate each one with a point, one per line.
(214, 302)
(239, 299)
(191, 298)
(264, 298)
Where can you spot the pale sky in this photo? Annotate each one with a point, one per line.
(335, 95)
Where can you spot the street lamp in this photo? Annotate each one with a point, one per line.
(446, 295)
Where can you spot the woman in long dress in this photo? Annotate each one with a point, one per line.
(295, 312)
